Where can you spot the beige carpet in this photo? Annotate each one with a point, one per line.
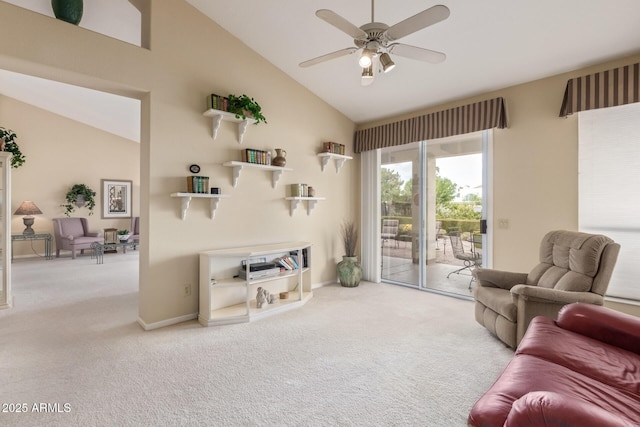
(376, 355)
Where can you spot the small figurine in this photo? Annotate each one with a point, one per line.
(261, 297)
(273, 298)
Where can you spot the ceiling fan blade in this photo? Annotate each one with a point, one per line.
(418, 53)
(328, 56)
(340, 23)
(427, 17)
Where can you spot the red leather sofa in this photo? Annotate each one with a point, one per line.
(581, 370)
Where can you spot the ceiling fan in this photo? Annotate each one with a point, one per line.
(377, 40)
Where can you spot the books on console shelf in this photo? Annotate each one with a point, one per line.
(288, 262)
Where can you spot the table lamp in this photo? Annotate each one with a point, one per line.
(28, 208)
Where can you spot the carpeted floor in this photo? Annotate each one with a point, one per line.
(375, 355)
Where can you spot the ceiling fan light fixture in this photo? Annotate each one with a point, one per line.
(366, 59)
(367, 72)
(386, 62)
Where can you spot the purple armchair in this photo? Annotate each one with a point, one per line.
(135, 230)
(73, 234)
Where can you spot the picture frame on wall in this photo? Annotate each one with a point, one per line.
(116, 198)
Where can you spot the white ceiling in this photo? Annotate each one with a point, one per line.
(490, 44)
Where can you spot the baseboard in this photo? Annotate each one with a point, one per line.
(167, 322)
(187, 317)
(322, 284)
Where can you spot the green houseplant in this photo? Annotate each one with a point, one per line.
(8, 143)
(349, 269)
(243, 106)
(79, 195)
(123, 235)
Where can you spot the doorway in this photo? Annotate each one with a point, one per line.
(433, 207)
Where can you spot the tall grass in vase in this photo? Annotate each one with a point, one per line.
(349, 269)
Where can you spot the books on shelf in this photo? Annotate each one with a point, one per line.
(333, 147)
(299, 190)
(197, 184)
(217, 102)
(260, 157)
(287, 262)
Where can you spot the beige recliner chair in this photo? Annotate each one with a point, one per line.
(574, 267)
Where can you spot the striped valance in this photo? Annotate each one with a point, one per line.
(455, 121)
(605, 89)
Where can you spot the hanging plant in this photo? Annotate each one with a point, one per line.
(241, 105)
(80, 195)
(8, 143)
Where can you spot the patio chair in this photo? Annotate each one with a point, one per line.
(389, 230)
(470, 259)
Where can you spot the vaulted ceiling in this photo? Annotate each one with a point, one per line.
(489, 44)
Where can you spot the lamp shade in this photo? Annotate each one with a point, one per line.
(27, 208)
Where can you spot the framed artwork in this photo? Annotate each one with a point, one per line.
(116, 198)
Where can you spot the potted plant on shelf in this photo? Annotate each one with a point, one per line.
(243, 107)
(78, 196)
(8, 143)
(349, 269)
(123, 235)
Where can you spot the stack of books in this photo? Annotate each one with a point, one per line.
(260, 157)
(333, 147)
(197, 184)
(217, 102)
(288, 262)
(299, 190)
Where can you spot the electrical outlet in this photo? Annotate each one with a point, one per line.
(187, 289)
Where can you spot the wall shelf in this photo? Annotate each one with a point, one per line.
(238, 166)
(186, 200)
(217, 116)
(295, 201)
(339, 159)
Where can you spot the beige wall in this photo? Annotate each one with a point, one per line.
(535, 166)
(535, 159)
(60, 153)
(173, 81)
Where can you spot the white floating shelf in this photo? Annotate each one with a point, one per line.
(311, 203)
(217, 116)
(238, 166)
(186, 200)
(339, 159)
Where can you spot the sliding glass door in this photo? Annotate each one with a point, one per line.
(431, 210)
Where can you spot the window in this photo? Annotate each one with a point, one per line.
(609, 187)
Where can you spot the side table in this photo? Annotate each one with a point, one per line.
(31, 237)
